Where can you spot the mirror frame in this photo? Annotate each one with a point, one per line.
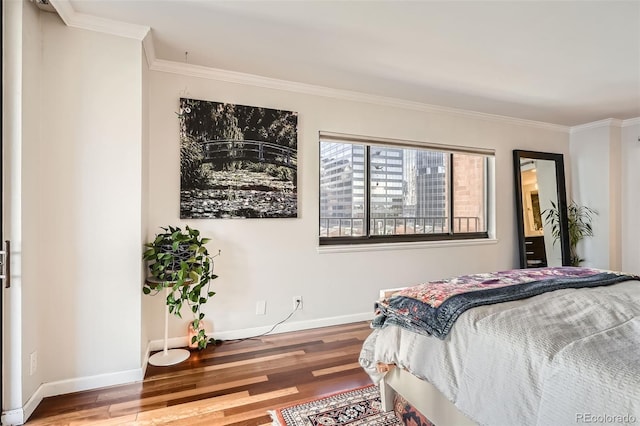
(562, 202)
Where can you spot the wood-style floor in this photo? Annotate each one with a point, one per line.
(233, 383)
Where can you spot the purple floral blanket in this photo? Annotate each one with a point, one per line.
(433, 307)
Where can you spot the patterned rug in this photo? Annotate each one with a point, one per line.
(354, 407)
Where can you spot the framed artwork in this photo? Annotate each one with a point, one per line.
(237, 161)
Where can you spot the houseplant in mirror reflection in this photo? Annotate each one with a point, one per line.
(179, 260)
(579, 219)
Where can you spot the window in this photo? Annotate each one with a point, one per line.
(380, 190)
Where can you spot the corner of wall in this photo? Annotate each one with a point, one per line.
(596, 170)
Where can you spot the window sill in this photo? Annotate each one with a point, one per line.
(352, 248)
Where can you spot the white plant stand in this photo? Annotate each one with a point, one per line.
(168, 356)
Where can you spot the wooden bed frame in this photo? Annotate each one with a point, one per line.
(421, 394)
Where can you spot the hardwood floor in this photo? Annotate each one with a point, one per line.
(233, 383)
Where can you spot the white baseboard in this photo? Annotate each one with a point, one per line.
(293, 326)
(32, 403)
(91, 382)
(19, 416)
(173, 342)
(181, 342)
(13, 417)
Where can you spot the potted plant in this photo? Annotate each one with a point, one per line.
(179, 261)
(579, 219)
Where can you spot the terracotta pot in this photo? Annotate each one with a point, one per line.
(191, 332)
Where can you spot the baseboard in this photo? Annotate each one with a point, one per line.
(173, 342)
(13, 417)
(180, 342)
(18, 417)
(91, 382)
(145, 360)
(293, 326)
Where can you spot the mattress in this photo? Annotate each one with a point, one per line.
(559, 358)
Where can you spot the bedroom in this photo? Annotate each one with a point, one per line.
(98, 160)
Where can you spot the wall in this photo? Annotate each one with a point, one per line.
(12, 123)
(597, 173)
(144, 199)
(32, 208)
(73, 208)
(631, 196)
(90, 235)
(276, 259)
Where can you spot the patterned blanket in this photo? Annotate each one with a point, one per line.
(432, 308)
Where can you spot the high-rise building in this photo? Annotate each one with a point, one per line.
(386, 182)
(431, 184)
(342, 181)
(409, 190)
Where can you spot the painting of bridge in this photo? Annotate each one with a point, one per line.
(237, 161)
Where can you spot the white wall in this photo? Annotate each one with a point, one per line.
(615, 198)
(89, 173)
(596, 168)
(631, 197)
(12, 123)
(144, 199)
(32, 207)
(275, 259)
(73, 118)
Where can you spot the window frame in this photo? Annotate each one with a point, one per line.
(368, 238)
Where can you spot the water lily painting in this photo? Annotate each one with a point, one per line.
(237, 161)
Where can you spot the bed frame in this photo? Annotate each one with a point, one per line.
(421, 394)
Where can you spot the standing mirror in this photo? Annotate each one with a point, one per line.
(541, 192)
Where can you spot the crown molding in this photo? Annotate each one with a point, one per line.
(631, 122)
(607, 122)
(94, 23)
(149, 49)
(199, 71)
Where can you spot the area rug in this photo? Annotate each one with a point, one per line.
(355, 407)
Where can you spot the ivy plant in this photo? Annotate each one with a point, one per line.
(179, 260)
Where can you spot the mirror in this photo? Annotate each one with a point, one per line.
(540, 192)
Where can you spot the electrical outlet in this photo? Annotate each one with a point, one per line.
(261, 307)
(33, 366)
(297, 303)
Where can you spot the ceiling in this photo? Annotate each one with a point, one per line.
(560, 62)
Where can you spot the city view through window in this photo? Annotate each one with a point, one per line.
(410, 192)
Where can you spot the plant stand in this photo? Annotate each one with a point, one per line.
(168, 356)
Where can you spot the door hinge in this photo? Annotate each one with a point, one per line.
(5, 264)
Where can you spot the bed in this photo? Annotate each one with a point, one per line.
(544, 346)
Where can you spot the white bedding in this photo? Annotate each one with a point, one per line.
(561, 358)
